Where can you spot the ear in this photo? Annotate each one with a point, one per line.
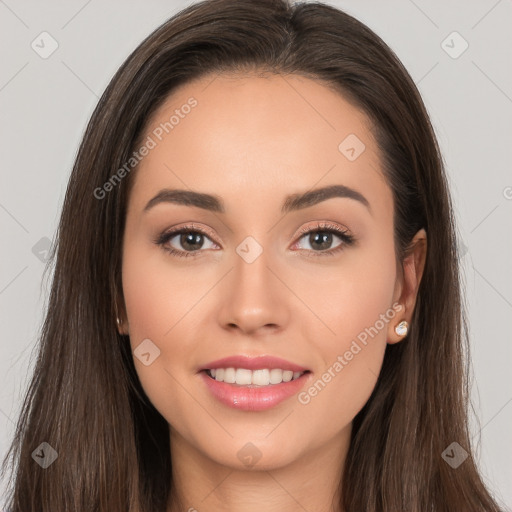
(122, 325)
(408, 282)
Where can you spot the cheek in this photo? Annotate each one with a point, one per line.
(156, 300)
(157, 293)
(357, 308)
(159, 304)
(166, 301)
(352, 295)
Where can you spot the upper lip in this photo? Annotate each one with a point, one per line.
(253, 363)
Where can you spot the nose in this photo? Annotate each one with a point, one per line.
(254, 298)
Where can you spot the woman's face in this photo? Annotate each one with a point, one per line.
(247, 279)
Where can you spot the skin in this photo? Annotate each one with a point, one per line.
(253, 140)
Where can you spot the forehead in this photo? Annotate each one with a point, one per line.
(274, 134)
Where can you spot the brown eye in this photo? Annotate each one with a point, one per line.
(184, 241)
(320, 240)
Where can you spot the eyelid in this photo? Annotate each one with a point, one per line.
(319, 225)
(189, 227)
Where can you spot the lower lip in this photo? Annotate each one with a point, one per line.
(259, 398)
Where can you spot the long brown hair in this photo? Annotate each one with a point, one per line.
(85, 399)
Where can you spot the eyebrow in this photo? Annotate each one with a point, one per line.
(292, 202)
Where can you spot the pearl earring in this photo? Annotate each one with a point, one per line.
(401, 328)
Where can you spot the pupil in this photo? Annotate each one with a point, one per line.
(189, 239)
(325, 239)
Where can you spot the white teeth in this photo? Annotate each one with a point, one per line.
(262, 377)
(243, 376)
(276, 376)
(287, 375)
(229, 375)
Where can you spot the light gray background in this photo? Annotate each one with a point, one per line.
(46, 103)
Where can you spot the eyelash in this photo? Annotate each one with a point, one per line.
(346, 238)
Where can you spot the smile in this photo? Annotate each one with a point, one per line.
(260, 377)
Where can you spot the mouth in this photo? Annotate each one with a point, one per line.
(254, 390)
(254, 383)
(253, 378)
